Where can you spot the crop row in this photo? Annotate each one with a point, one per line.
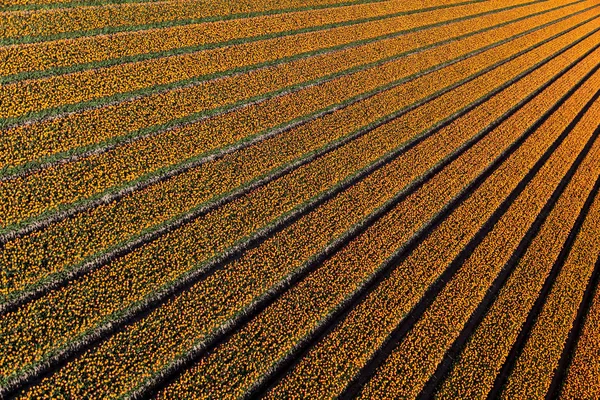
(20, 5)
(583, 377)
(37, 25)
(534, 369)
(33, 257)
(91, 50)
(416, 89)
(481, 360)
(426, 343)
(305, 378)
(22, 144)
(49, 95)
(257, 347)
(304, 244)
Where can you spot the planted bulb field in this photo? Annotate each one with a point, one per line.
(300, 199)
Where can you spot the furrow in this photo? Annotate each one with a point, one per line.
(398, 201)
(299, 199)
(252, 352)
(39, 98)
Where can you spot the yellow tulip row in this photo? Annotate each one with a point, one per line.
(317, 176)
(93, 49)
(42, 96)
(305, 380)
(583, 377)
(259, 268)
(21, 5)
(534, 369)
(13, 5)
(443, 321)
(29, 142)
(41, 254)
(41, 24)
(484, 354)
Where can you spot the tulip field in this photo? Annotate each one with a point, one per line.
(290, 199)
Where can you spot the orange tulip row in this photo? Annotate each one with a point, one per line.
(483, 356)
(435, 331)
(534, 369)
(304, 380)
(583, 377)
(47, 23)
(36, 256)
(22, 144)
(218, 298)
(66, 53)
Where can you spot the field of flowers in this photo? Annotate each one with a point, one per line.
(300, 199)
